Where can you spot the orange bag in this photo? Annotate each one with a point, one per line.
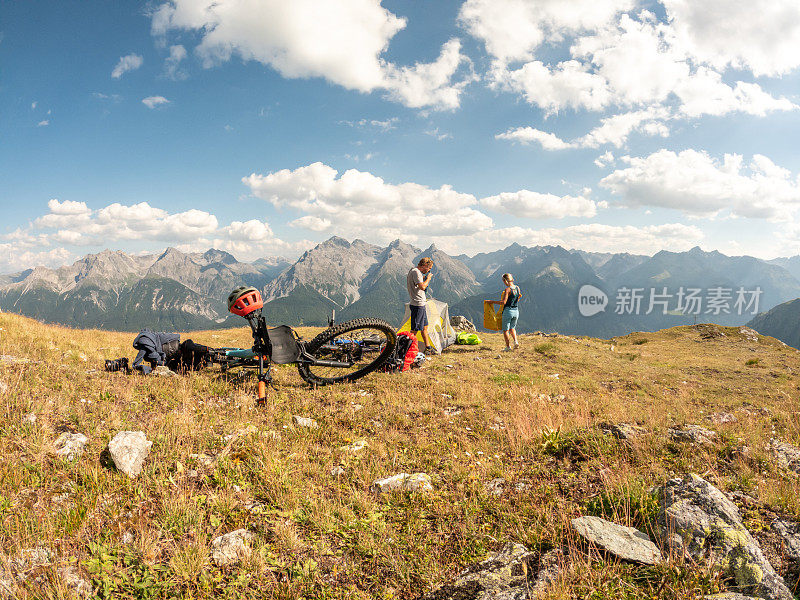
(492, 319)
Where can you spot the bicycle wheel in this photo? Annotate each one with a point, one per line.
(360, 346)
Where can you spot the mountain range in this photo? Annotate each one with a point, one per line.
(181, 291)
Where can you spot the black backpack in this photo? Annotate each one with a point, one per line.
(398, 355)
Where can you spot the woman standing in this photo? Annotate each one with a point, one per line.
(510, 302)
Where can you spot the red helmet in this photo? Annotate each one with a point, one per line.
(244, 300)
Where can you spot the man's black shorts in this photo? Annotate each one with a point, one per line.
(419, 318)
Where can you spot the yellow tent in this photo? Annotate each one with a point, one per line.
(440, 331)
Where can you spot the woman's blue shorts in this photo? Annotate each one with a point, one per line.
(510, 317)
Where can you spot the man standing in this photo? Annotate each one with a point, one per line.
(417, 281)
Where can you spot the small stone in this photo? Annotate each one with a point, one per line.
(553, 376)
(693, 434)
(722, 418)
(72, 579)
(244, 432)
(510, 574)
(3, 388)
(229, 549)
(626, 543)
(787, 455)
(403, 482)
(128, 450)
(789, 531)
(305, 422)
(452, 411)
(30, 559)
(70, 445)
(337, 471)
(127, 538)
(356, 407)
(204, 460)
(495, 487)
(729, 596)
(30, 418)
(163, 371)
(356, 446)
(624, 431)
(255, 507)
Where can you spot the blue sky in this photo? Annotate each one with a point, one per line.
(263, 127)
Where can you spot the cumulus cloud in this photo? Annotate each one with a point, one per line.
(513, 29)
(761, 36)
(528, 135)
(341, 204)
(342, 41)
(698, 185)
(533, 205)
(172, 64)
(429, 84)
(43, 123)
(613, 130)
(14, 259)
(130, 62)
(633, 62)
(154, 101)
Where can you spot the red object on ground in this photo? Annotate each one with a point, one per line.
(411, 353)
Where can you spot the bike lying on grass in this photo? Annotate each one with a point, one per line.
(343, 352)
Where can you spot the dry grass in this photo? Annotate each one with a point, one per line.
(324, 536)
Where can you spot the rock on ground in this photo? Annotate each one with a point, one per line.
(230, 548)
(508, 575)
(788, 456)
(697, 519)
(624, 431)
(79, 586)
(626, 543)
(693, 434)
(403, 482)
(495, 487)
(163, 371)
(728, 596)
(304, 422)
(30, 559)
(789, 532)
(3, 387)
(128, 450)
(722, 418)
(460, 323)
(70, 445)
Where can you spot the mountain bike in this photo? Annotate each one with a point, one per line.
(343, 352)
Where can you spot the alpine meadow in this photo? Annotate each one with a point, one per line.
(397, 300)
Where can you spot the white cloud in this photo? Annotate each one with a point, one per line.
(329, 202)
(633, 62)
(43, 123)
(696, 184)
(761, 35)
(342, 41)
(612, 130)
(528, 135)
(429, 84)
(172, 64)
(13, 260)
(154, 101)
(604, 159)
(130, 62)
(533, 205)
(33, 105)
(513, 29)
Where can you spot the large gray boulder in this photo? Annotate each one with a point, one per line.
(128, 450)
(461, 324)
(626, 543)
(508, 575)
(787, 455)
(697, 519)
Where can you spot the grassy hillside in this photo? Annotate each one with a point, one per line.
(781, 322)
(531, 417)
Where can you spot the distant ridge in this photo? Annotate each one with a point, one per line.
(182, 291)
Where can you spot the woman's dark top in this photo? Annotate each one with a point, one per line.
(513, 297)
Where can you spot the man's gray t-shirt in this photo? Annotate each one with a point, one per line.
(416, 295)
